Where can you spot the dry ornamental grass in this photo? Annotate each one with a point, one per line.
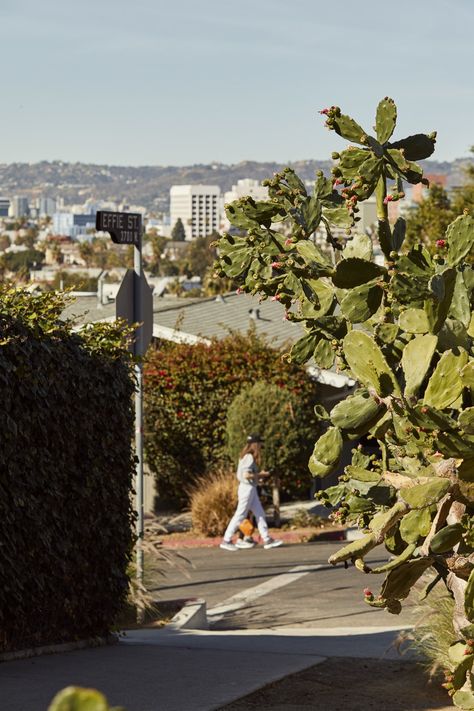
(213, 500)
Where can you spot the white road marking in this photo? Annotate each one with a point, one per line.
(242, 599)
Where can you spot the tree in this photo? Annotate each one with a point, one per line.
(26, 260)
(4, 242)
(404, 331)
(178, 233)
(277, 414)
(428, 222)
(86, 252)
(201, 255)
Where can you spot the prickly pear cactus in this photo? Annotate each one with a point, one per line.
(404, 330)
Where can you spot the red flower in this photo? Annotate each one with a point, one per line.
(441, 243)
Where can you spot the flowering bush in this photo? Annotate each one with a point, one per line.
(188, 392)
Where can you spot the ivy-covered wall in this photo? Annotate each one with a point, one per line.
(66, 466)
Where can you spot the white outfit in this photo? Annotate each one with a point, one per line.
(247, 500)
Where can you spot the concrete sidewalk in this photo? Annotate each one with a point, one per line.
(181, 670)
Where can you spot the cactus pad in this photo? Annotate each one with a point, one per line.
(445, 385)
(422, 495)
(416, 359)
(460, 238)
(356, 413)
(368, 364)
(414, 321)
(385, 119)
(327, 452)
(354, 272)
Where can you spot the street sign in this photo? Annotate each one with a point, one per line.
(123, 227)
(125, 307)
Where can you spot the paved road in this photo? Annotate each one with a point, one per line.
(313, 595)
(275, 612)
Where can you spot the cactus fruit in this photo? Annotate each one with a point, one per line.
(404, 331)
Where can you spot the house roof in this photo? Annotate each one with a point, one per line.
(205, 318)
(196, 320)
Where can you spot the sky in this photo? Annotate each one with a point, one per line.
(180, 82)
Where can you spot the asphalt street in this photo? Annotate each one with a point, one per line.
(271, 593)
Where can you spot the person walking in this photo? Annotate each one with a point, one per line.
(249, 475)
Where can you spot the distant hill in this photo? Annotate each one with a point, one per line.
(149, 185)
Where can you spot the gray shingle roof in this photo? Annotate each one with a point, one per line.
(209, 317)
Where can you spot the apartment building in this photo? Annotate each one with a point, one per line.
(198, 206)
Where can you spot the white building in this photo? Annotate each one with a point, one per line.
(19, 206)
(246, 186)
(243, 187)
(198, 206)
(46, 206)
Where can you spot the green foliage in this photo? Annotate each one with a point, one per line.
(287, 424)
(178, 233)
(411, 352)
(200, 255)
(188, 391)
(428, 221)
(76, 698)
(66, 468)
(76, 282)
(16, 261)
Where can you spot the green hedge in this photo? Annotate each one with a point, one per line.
(188, 390)
(66, 468)
(287, 425)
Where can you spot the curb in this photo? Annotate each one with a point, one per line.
(57, 648)
(300, 536)
(192, 616)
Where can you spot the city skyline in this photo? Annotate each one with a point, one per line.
(161, 84)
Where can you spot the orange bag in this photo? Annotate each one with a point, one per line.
(247, 527)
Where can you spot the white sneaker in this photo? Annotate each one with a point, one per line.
(272, 543)
(226, 546)
(241, 543)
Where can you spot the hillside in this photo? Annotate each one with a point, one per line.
(149, 185)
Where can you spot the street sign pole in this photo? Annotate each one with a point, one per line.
(138, 318)
(134, 303)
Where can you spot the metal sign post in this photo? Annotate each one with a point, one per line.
(134, 303)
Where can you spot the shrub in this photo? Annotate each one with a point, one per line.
(66, 467)
(213, 500)
(286, 425)
(188, 391)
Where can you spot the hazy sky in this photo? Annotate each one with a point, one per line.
(176, 82)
